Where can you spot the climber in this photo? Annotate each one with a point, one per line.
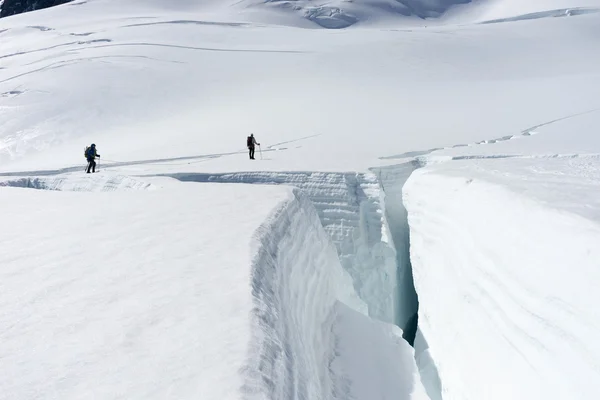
(250, 142)
(90, 155)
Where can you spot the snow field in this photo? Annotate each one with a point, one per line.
(507, 272)
(128, 295)
(145, 83)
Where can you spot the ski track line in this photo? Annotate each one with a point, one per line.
(167, 161)
(524, 133)
(174, 46)
(20, 53)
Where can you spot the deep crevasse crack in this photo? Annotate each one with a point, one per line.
(364, 215)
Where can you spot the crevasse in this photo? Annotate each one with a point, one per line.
(364, 215)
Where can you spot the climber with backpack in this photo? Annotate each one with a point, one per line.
(250, 142)
(90, 155)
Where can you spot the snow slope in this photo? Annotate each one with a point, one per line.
(449, 148)
(504, 255)
(154, 82)
(505, 261)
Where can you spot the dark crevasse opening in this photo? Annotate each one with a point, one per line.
(392, 180)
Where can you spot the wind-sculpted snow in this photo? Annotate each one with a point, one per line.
(311, 339)
(505, 258)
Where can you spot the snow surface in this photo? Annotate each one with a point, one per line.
(94, 307)
(149, 82)
(444, 162)
(116, 310)
(505, 260)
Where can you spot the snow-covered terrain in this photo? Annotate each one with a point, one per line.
(505, 252)
(427, 177)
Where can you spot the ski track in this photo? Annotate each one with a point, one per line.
(155, 161)
(189, 22)
(80, 43)
(524, 133)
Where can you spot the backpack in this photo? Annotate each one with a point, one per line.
(249, 141)
(88, 152)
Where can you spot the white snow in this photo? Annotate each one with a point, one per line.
(505, 261)
(116, 310)
(109, 73)
(445, 146)
(97, 302)
(504, 255)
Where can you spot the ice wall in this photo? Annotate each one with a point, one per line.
(311, 338)
(349, 209)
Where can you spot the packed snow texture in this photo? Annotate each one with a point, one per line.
(95, 307)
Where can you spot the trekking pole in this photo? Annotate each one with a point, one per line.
(260, 151)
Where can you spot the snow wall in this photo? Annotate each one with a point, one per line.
(507, 279)
(392, 180)
(311, 336)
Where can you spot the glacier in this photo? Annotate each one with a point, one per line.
(420, 221)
